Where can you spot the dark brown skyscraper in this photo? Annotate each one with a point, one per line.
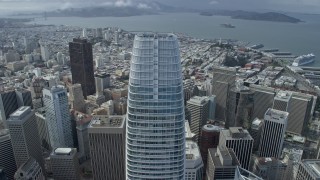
(82, 65)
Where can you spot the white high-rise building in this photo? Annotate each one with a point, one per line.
(273, 132)
(55, 101)
(45, 55)
(155, 129)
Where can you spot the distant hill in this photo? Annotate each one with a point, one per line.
(246, 15)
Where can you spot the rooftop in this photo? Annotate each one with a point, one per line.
(20, 112)
(105, 121)
(236, 133)
(283, 95)
(211, 128)
(63, 151)
(197, 100)
(313, 165)
(276, 113)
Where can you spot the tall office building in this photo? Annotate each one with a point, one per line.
(104, 80)
(82, 65)
(194, 164)
(30, 170)
(43, 130)
(76, 98)
(65, 164)
(209, 139)
(155, 110)
(255, 132)
(107, 147)
(189, 90)
(223, 79)
(300, 113)
(8, 104)
(309, 169)
(199, 111)
(7, 161)
(273, 133)
(240, 141)
(262, 100)
(58, 116)
(240, 107)
(25, 136)
(24, 97)
(282, 101)
(269, 168)
(45, 54)
(222, 163)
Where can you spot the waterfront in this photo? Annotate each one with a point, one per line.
(299, 38)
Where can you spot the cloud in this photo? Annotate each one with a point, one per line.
(213, 2)
(143, 6)
(123, 3)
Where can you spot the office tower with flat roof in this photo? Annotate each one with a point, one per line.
(255, 132)
(43, 130)
(55, 101)
(273, 132)
(269, 168)
(107, 147)
(282, 101)
(300, 113)
(194, 164)
(8, 104)
(45, 54)
(209, 139)
(65, 164)
(240, 107)
(82, 65)
(82, 123)
(189, 89)
(25, 136)
(199, 110)
(240, 141)
(7, 160)
(212, 107)
(104, 80)
(155, 110)
(24, 97)
(309, 169)
(76, 97)
(222, 163)
(223, 79)
(30, 170)
(262, 99)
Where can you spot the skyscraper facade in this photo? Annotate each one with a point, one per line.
(107, 147)
(81, 60)
(262, 100)
(7, 161)
(273, 133)
(199, 111)
(58, 119)
(155, 146)
(223, 79)
(240, 141)
(25, 137)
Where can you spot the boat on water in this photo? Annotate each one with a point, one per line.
(257, 46)
(228, 26)
(304, 59)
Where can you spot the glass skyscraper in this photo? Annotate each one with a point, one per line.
(155, 128)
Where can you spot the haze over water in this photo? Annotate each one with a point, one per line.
(301, 38)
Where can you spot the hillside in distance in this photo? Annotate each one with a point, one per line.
(246, 15)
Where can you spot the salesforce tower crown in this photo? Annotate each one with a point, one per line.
(155, 146)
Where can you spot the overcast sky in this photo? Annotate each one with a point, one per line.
(306, 6)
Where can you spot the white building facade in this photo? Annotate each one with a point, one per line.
(55, 101)
(155, 146)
